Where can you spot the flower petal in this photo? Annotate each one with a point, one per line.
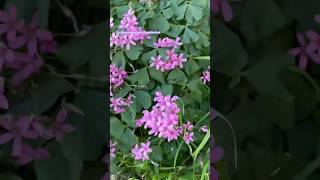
(226, 10)
(4, 138)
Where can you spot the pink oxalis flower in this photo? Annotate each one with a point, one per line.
(59, 128)
(29, 154)
(141, 152)
(301, 51)
(9, 23)
(31, 36)
(17, 130)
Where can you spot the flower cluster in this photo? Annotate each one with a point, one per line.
(129, 32)
(20, 48)
(171, 61)
(117, 76)
(216, 155)
(188, 134)
(118, 105)
(163, 119)
(224, 7)
(205, 76)
(29, 127)
(141, 152)
(167, 42)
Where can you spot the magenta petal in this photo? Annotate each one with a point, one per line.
(216, 154)
(213, 173)
(42, 154)
(303, 61)
(301, 39)
(317, 18)
(312, 35)
(17, 146)
(3, 17)
(11, 35)
(6, 122)
(30, 134)
(215, 6)
(226, 10)
(18, 42)
(62, 115)
(44, 35)
(4, 104)
(3, 28)
(315, 57)
(19, 77)
(23, 123)
(32, 47)
(311, 47)
(294, 51)
(4, 138)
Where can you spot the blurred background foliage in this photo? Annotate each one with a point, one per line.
(272, 105)
(75, 75)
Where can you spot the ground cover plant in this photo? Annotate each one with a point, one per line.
(266, 87)
(53, 95)
(159, 89)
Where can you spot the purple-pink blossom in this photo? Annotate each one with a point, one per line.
(171, 61)
(167, 42)
(188, 137)
(28, 154)
(129, 32)
(16, 130)
(31, 36)
(118, 105)
(163, 119)
(224, 7)
(58, 128)
(302, 51)
(141, 152)
(9, 23)
(117, 76)
(205, 76)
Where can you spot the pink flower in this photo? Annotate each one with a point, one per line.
(301, 51)
(204, 129)
(112, 150)
(167, 42)
(6, 56)
(10, 23)
(130, 34)
(59, 128)
(117, 105)
(172, 61)
(141, 152)
(188, 126)
(224, 7)
(117, 76)
(188, 137)
(26, 72)
(31, 36)
(313, 48)
(163, 119)
(17, 130)
(29, 154)
(205, 76)
(4, 104)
